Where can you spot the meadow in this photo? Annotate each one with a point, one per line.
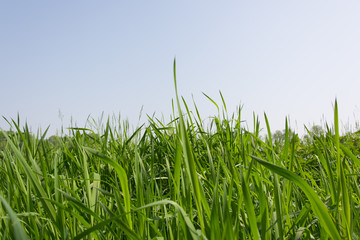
(180, 180)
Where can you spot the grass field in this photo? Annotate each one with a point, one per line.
(180, 180)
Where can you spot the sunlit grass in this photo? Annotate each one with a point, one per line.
(180, 180)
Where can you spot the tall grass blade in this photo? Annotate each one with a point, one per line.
(346, 207)
(198, 193)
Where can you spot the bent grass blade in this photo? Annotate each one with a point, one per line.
(317, 205)
(196, 234)
(123, 181)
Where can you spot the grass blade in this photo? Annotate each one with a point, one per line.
(19, 232)
(317, 205)
(123, 181)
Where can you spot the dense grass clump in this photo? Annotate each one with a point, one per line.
(179, 181)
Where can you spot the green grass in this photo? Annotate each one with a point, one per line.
(180, 180)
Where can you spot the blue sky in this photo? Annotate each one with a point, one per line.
(81, 58)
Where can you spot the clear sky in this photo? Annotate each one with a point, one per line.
(63, 60)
